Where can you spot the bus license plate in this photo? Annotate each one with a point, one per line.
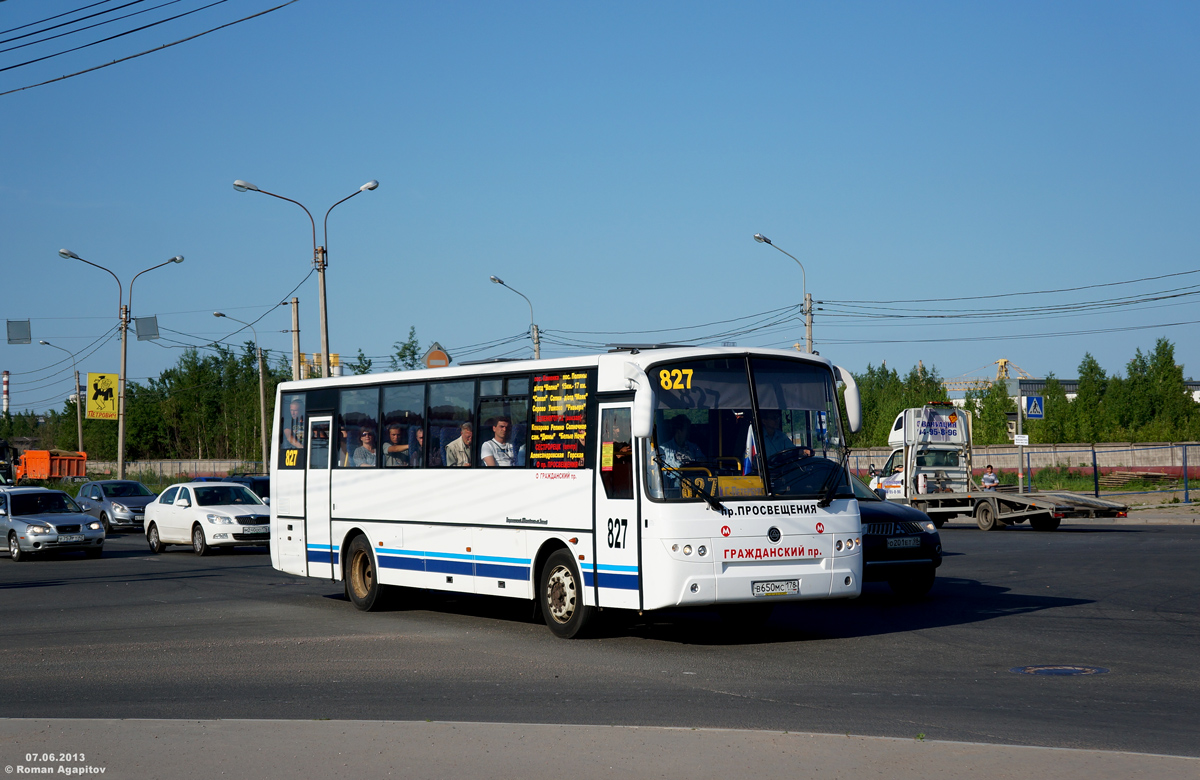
(63, 539)
(912, 542)
(775, 588)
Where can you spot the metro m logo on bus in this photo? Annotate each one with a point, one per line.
(820, 528)
(726, 530)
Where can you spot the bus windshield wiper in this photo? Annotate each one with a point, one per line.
(831, 484)
(712, 502)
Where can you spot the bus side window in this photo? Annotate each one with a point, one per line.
(358, 425)
(616, 453)
(451, 429)
(510, 411)
(402, 442)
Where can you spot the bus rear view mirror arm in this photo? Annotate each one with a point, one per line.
(853, 400)
(643, 401)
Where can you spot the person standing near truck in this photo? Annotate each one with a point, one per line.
(989, 480)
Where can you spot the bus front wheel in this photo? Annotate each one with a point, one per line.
(561, 596)
(362, 584)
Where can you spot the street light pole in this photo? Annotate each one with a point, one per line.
(78, 397)
(760, 238)
(533, 328)
(320, 256)
(262, 387)
(123, 313)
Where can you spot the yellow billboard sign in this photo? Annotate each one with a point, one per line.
(102, 396)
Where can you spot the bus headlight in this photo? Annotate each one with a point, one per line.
(701, 551)
(838, 545)
(219, 519)
(687, 549)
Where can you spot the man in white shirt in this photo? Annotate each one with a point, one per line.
(989, 480)
(499, 450)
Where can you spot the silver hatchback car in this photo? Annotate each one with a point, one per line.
(116, 503)
(38, 520)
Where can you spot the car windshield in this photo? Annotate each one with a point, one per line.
(225, 495)
(42, 504)
(862, 492)
(125, 490)
(706, 436)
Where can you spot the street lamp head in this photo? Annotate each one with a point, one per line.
(372, 184)
(176, 259)
(760, 238)
(45, 343)
(218, 314)
(242, 186)
(497, 280)
(67, 254)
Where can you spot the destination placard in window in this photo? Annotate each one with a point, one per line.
(558, 431)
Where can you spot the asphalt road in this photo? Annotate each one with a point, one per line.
(136, 635)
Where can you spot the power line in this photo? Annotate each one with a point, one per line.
(1033, 292)
(114, 37)
(82, 29)
(148, 51)
(52, 18)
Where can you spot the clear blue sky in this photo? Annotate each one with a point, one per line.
(611, 161)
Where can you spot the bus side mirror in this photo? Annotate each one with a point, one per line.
(853, 400)
(643, 401)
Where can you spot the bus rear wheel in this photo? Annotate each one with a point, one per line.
(362, 582)
(561, 595)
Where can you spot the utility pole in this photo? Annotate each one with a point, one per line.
(808, 321)
(1020, 450)
(296, 339)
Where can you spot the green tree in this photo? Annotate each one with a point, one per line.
(1088, 411)
(361, 365)
(990, 409)
(408, 352)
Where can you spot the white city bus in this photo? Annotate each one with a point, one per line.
(644, 478)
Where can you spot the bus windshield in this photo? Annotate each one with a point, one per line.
(736, 427)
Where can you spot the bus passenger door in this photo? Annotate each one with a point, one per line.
(316, 516)
(617, 556)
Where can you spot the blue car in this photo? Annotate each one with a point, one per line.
(901, 545)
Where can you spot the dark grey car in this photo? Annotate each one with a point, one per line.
(116, 503)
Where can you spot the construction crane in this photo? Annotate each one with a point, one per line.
(967, 383)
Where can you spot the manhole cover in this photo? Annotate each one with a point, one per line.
(1059, 671)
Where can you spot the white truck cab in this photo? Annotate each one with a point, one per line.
(931, 453)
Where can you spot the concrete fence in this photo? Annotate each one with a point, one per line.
(1164, 458)
(173, 469)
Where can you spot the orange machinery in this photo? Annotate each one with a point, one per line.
(50, 464)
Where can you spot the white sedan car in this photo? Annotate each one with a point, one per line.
(207, 515)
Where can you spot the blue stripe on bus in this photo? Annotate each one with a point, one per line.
(322, 556)
(502, 572)
(402, 562)
(617, 581)
(466, 568)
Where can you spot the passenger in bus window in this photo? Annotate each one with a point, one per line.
(416, 454)
(366, 455)
(293, 429)
(345, 457)
(498, 451)
(458, 452)
(394, 447)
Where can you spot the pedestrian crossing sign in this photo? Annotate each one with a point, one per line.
(1035, 408)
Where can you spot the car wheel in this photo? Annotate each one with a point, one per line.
(199, 543)
(14, 548)
(93, 552)
(362, 582)
(985, 517)
(914, 586)
(561, 596)
(1046, 522)
(104, 522)
(153, 539)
